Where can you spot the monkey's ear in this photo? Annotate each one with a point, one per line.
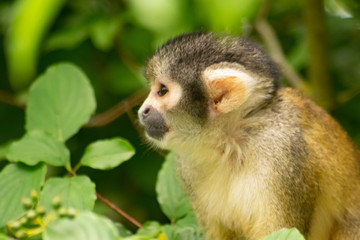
(227, 87)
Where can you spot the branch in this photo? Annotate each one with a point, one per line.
(10, 100)
(117, 110)
(269, 37)
(118, 210)
(110, 204)
(347, 95)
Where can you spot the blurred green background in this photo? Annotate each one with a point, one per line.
(316, 43)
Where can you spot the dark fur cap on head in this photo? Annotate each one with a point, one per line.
(185, 57)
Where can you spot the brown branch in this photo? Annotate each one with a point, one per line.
(270, 39)
(109, 204)
(118, 210)
(117, 110)
(10, 100)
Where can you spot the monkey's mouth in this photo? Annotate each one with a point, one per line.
(156, 131)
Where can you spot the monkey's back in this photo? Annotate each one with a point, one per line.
(334, 161)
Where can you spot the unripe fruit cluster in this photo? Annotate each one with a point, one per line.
(34, 216)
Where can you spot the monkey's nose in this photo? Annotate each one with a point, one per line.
(146, 112)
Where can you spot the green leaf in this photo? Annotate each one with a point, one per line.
(188, 221)
(31, 19)
(4, 237)
(37, 147)
(172, 199)
(230, 16)
(67, 38)
(136, 237)
(353, 6)
(285, 234)
(16, 182)
(149, 229)
(3, 150)
(103, 31)
(123, 231)
(60, 101)
(86, 226)
(343, 8)
(160, 16)
(107, 154)
(185, 228)
(175, 232)
(77, 192)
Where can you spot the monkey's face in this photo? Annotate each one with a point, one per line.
(164, 95)
(198, 80)
(175, 113)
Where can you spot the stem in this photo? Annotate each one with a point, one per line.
(318, 53)
(118, 210)
(108, 203)
(77, 166)
(347, 95)
(10, 100)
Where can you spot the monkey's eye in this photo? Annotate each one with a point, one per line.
(163, 90)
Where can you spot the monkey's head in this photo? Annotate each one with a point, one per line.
(197, 80)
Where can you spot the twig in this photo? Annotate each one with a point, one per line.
(109, 204)
(347, 95)
(116, 209)
(268, 35)
(117, 110)
(10, 100)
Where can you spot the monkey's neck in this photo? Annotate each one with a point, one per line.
(221, 144)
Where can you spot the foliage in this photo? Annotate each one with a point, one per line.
(50, 102)
(73, 193)
(285, 234)
(105, 154)
(86, 225)
(58, 154)
(22, 55)
(62, 205)
(173, 202)
(16, 182)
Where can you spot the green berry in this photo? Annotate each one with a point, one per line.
(63, 212)
(34, 196)
(23, 220)
(72, 212)
(20, 234)
(56, 202)
(10, 223)
(27, 203)
(14, 225)
(40, 210)
(31, 214)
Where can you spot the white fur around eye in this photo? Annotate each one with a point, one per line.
(174, 94)
(168, 100)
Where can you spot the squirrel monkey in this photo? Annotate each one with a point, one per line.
(252, 157)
